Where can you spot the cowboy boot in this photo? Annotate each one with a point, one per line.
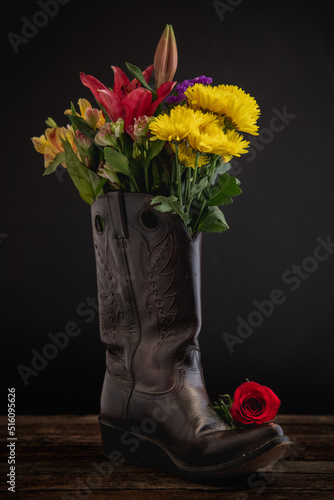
(154, 406)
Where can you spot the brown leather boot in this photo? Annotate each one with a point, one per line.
(154, 406)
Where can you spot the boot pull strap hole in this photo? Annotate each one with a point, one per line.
(149, 219)
(99, 223)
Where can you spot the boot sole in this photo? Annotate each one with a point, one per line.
(122, 446)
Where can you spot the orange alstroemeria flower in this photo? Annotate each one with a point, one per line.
(50, 144)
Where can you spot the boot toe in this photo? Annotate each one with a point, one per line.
(235, 446)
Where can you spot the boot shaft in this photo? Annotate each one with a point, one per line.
(148, 275)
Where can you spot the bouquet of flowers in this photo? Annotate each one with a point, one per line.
(172, 141)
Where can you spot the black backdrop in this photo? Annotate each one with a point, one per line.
(279, 52)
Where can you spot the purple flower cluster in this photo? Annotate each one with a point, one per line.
(180, 88)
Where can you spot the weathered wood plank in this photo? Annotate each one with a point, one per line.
(303, 450)
(87, 426)
(305, 419)
(76, 467)
(58, 420)
(160, 494)
(67, 439)
(87, 430)
(288, 465)
(38, 453)
(257, 483)
(60, 456)
(100, 475)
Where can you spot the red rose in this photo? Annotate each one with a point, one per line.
(254, 404)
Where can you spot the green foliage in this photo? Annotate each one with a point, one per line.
(197, 190)
(219, 170)
(223, 407)
(221, 193)
(54, 164)
(212, 221)
(87, 182)
(79, 123)
(154, 148)
(170, 204)
(137, 73)
(116, 161)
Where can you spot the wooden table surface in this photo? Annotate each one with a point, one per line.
(60, 457)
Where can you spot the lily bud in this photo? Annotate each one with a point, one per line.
(165, 58)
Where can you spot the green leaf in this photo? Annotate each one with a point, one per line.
(154, 149)
(156, 174)
(80, 124)
(99, 187)
(233, 188)
(86, 197)
(117, 161)
(224, 180)
(229, 399)
(223, 411)
(198, 188)
(223, 200)
(103, 109)
(212, 221)
(84, 188)
(220, 194)
(93, 178)
(137, 73)
(169, 204)
(54, 164)
(85, 180)
(127, 145)
(73, 110)
(222, 168)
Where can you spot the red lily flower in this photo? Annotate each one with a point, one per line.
(127, 100)
(123, 86)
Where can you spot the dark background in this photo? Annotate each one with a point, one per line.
(279, 52)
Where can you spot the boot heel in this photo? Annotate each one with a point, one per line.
(124, 447)
(114, 442)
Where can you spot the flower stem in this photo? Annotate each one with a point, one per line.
(213, 168)
(188, 185)
(135, 184)
(200, 214)
(196, 167)
(190, 199)
(178, 170)
(146, 179)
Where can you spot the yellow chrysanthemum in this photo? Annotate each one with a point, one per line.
(50, 144)
(173, 126)
(93, 116)
(237, 144)
(211, 139)
(187, 157)
(176, 125)
(226, 100)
